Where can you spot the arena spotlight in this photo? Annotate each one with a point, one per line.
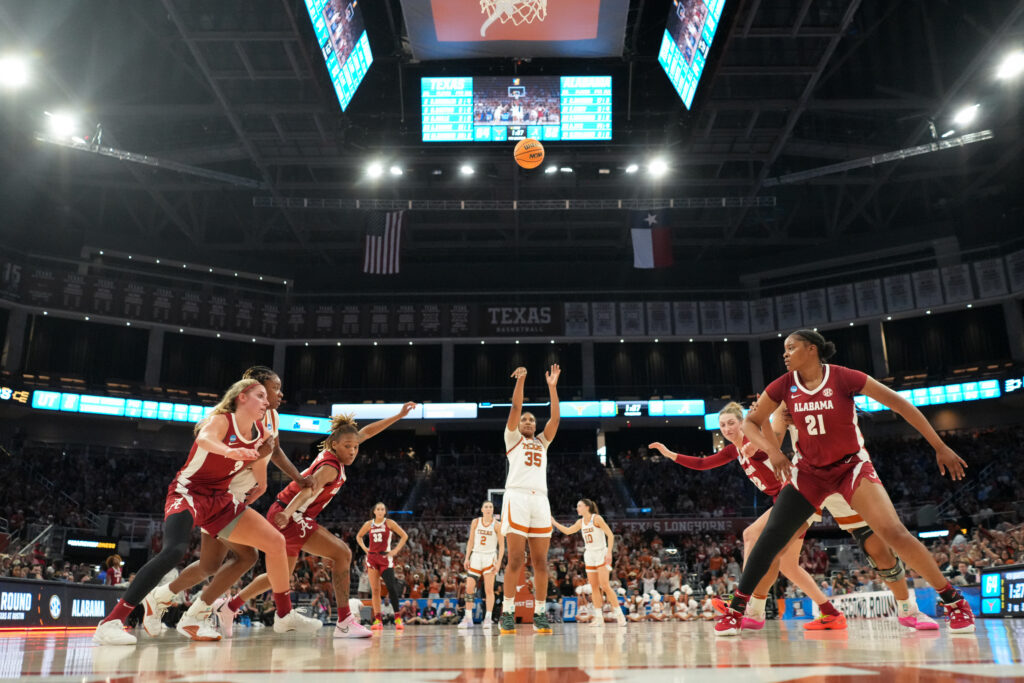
(375, 169)
(13, 72)
(396, 170)
(62, 125)
(632, 168)
(466, 169)
(1011, 66)
(657, 168)
(967, 114)
(551, 169)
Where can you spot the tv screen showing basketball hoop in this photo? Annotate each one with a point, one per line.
(684, 47)
(346, 49)
(497, 109)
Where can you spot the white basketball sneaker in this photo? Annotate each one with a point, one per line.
(293, 621)
(112, 633)
(153, 614)
(225, 617)
(196, 628)
(349, 627)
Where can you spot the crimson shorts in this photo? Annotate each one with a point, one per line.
(842, 477)
(300, 528)
(212, 512)
(379, 561)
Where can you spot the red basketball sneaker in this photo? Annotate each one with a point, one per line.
(729, 624)
(827, 622)
(960, 616)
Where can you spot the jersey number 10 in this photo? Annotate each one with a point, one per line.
(815, 424)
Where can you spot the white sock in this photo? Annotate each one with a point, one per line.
(539, 607)
(905, 608)
(755, 607)
(508, 606)
(199, 609)
(163, 593)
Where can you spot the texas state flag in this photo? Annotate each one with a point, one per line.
(652, 239)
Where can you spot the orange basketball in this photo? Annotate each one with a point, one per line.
(529, 153)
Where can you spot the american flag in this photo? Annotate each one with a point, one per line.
(383, 241)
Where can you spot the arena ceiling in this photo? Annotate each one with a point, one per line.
(238, 87)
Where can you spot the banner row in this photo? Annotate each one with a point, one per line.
(217, 308)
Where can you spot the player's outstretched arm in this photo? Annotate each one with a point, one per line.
(519, 374)
(944, 455)
(551, 428)
(374, 428)
(567, 529)
(709, 463)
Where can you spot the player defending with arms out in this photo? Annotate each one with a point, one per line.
(599, 541)
(226, 439)
(525, 511)
(247, 485)
(380, 561)
(832, 459)
(295, 511)
(484, 552)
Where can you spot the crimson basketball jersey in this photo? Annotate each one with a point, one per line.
(380, 537)
(205, 472)
(757, 468)
(313, 506)
(825, 418)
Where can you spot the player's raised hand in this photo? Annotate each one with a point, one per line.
(663, 449)
(518, 373)
(552, 375)
(407, 408)
(949, 461)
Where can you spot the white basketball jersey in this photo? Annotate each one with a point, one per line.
(485, 540)
(593, 537)
(527, 462)
(245, 480)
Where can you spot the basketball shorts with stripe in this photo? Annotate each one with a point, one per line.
(526, 513)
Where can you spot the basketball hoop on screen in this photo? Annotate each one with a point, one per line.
(517, 11)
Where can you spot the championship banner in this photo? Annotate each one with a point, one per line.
(465, 29)
(323, 320)
(428, 320)
(460, 320)
(762, 316)
(163, 305)
(405, 320)
(712, 317)
(380, 321)
(898, 293)
(603, 314)
(684, 318)
(243, 314)
(812, 304)
(1015, 268)
(295, 321)
(737, 317)
(659, 318)
(956, 281)
(504, 321)
(991, 278)
(40, 287)
(869, 298)
(787, 310)
(10, 277)
(270, 318)
(102, 291)
(135, 297)
(191, 308)
(351, 317)
(217, 311)
(840, 303)
(72, 291)
(632, 318)
(683, 525)
(927, 290)
(577, 319)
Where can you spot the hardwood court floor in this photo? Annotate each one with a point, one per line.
(872, 651)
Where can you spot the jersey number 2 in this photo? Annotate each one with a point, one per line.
(815, 424)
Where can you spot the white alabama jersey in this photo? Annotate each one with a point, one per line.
(485, 538)
(527, 462)
(593, 537)
(245, 480)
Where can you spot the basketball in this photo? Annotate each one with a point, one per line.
(529, 153)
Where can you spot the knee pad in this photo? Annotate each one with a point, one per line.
(894, 574)
(861, 534)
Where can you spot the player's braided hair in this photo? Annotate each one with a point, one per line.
(260, 373)
(826, 349)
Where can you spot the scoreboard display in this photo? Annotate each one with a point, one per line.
(340, 31)
(684, 49)
(1002, 591)
(502, 108)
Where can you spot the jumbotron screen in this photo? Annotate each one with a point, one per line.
(346, 49)
(496, 109)
(684, 47)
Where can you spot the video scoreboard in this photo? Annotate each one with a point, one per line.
(685, 44)
(498, 109)
(340, 31)
(1002, 591)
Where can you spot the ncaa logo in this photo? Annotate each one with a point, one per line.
(793, 388)
(232, 438)
(827, 392)
(55, 606)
